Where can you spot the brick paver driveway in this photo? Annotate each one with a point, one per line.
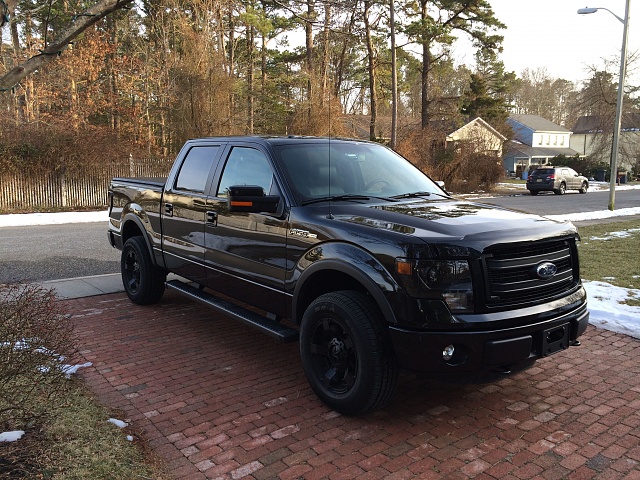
(216, 399)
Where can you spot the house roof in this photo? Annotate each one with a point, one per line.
(537, 123)
(520, 150)
(595, 123)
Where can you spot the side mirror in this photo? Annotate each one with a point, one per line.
(251, 198)
(440, 183)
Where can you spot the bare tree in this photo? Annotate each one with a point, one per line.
(78, 24)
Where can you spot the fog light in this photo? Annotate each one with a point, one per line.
(447, 353)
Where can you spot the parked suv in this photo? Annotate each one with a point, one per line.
(557, 180)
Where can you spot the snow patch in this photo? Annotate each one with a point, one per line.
(118, 423)
(13, 436)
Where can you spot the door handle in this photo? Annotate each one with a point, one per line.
(212, 218)
(168, 209)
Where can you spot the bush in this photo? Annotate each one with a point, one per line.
(463, 168)
(34, 335)
(50, 148)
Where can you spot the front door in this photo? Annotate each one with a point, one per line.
(246, 252)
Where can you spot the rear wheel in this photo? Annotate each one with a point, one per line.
(584, 187)
(533, 192)
(142, 280)
(347, 354)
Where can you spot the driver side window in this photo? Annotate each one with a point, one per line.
(246, 166)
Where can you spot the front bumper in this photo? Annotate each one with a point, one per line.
(486, 351)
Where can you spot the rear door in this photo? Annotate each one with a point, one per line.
(184, 206)
(246, 252)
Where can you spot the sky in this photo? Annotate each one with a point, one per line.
(551, 34)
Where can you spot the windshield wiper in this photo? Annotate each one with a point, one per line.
(332, 198)
(412, 195)
(419, 194)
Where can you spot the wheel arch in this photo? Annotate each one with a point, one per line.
(132, 226)
(348, 272)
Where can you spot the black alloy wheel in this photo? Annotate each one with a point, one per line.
(142, 280)
(346, 353)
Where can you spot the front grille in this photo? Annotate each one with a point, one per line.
(511, 278)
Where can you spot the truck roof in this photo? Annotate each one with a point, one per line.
(280, 139)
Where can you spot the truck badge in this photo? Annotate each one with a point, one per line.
(546, 270)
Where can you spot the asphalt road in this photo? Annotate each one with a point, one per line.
(54, 252)
(547, 203)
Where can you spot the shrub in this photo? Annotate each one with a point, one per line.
(464, 168)
(34, 335)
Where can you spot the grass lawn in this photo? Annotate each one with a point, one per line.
(610, 252)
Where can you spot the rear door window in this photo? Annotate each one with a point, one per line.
(196, 168)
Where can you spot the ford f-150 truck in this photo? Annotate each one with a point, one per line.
(347, 247)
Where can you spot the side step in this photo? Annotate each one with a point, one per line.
(270, 327)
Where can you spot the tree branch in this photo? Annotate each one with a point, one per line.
(78, 24)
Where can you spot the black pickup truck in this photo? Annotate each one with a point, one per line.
(350, 249)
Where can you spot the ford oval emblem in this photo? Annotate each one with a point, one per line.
(546, 270)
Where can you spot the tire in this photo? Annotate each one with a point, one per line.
(533, 192)
(584, 187)
(561, 189)
(347, 354)
(143, 281)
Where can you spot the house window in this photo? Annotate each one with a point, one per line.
(540, 142)
(562, 140)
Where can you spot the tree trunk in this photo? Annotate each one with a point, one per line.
(373, 98)
(308, 31)
(426, 58)
(250, 71)
(232, 66)
(325, 52)
(394, 76)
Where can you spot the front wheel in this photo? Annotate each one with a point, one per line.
(584, 187)
(561, 189)
(142, 280)
(347, 354)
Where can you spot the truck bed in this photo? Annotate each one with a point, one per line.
(145, 181)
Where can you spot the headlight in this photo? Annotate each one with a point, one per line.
(449, 280)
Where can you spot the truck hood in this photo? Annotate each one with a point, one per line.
(454, 221)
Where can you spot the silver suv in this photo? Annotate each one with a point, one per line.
(557, 180)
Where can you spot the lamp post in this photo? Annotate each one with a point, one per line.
(618, 121)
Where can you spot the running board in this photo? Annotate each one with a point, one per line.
(270, 327)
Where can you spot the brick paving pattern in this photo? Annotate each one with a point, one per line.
(216, 399)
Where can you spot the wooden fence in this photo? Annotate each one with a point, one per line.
(29, 191)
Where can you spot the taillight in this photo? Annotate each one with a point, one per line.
(552, 176)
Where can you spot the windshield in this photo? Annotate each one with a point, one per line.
(338, 168)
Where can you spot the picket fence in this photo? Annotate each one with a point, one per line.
(26, 190)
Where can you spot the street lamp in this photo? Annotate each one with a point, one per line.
(618, 120)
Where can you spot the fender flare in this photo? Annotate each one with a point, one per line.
(353, 261)
(139, 217)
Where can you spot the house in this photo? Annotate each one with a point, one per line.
(483, 137)
(592, 137)
(536, 142)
